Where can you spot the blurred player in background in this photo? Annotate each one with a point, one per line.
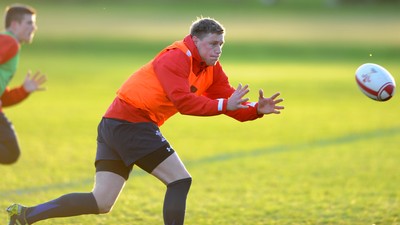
(185, 77)
(20, 26)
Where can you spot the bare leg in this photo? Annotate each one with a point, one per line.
(105, 193)
(171, 169)
(106, 190)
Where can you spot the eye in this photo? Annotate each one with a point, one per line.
(216, 44)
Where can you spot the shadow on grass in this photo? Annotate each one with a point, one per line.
(346, 139)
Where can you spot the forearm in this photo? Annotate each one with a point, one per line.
(247, 114)
(13, 96)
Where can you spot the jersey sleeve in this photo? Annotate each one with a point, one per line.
(172, 69)
(13, 96)
(221, 88)
(8, 48)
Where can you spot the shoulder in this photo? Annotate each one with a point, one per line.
(172, 62)
(172, 57)
(9, 47)
(7, 40)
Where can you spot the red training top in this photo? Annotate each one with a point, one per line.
(172, 87)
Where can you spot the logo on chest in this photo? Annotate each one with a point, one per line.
(193, 89)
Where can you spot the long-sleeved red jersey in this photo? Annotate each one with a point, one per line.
(9, 49)
(141, 99)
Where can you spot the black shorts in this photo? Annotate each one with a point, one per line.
(121, 144)
(9, 148)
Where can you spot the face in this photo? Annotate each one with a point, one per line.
(25, 30)
(210, 47)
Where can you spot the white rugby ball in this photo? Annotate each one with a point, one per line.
(375, 82)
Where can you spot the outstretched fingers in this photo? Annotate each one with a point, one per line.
(274, 96)
(277, 108)
(260, 94)
(34, 82)
(237, 98)
(269, 105)
(242, 90)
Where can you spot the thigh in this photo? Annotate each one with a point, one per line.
(108, 186)
(126, 141)
(9, 148)
(7, 133)
(171, 169)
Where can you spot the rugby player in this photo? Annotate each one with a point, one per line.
(185, 77)
(20, 24)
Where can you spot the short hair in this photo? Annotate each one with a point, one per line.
(203, 26)
(16, 13)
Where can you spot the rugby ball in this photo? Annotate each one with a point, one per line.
(375, 82)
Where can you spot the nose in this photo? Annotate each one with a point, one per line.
(218, 49)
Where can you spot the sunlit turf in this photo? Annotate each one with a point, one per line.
(331, 157)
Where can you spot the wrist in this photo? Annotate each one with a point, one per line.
(25, 89)
(222, 105)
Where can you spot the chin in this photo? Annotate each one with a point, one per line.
(27, 41)
(213, 63)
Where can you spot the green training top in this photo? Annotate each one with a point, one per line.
(9, 57)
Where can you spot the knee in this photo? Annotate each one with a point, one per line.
(182, 185)
(104, 204)
(107, 188)
(105, 207)
(10, 159)
(15, 158)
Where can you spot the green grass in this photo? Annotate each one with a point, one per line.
(331, 157)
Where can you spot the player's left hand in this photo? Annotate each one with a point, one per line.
(34, 83)
(269, 105)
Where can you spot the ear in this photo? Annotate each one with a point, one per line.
(195, 39)
(14, 23)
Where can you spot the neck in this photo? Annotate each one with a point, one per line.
(12, 33)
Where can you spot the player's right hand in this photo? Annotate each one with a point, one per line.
(236, 100)
(34, 83)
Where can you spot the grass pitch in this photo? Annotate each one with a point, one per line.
(331, 157)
